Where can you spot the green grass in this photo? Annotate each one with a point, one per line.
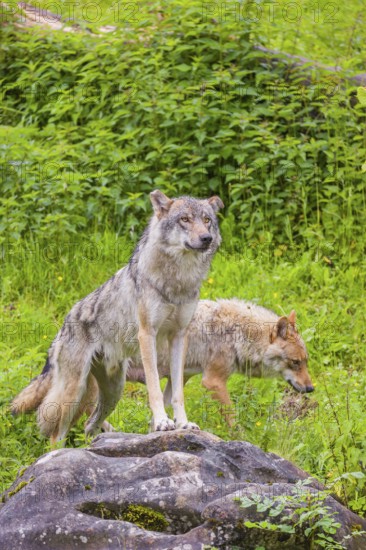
(327, 294)
(327, 32)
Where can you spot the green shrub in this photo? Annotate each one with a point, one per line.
(91, 124)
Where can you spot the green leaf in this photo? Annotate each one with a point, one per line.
(361, 95)
(183, 67)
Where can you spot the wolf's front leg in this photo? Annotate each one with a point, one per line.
(177, 360)
(147, 341)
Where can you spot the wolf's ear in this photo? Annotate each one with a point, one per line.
(282, 326)
(292, 317)
(161, 203)
(216, 203)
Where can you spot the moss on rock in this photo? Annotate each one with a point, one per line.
(142, 516)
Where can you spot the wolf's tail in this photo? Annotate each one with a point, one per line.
(31, 397)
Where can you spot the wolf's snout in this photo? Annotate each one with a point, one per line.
(206, 238)
(301, 388)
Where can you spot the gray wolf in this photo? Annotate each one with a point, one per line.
(157, 292)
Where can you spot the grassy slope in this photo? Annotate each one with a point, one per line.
(330, 32)
(328, 441)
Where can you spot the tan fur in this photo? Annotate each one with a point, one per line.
(30, 398)
(230, 336)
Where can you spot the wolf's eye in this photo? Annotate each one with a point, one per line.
(184, 219)
(206, 219)
(296, 363)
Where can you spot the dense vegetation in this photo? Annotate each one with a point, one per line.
(91, 124)
(179, 100)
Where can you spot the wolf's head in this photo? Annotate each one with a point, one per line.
(187, 223)
(287, 355)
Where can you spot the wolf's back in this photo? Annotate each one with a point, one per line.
(31, 397)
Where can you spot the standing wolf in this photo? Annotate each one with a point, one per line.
(157, 292)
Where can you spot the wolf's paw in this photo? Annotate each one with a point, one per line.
(164, 425)
(107, 427)
(187, 426)
(91, 430)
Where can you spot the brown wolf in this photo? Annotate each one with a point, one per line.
(227, 336)
(157, 294)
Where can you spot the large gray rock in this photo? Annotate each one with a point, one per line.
(165, 490)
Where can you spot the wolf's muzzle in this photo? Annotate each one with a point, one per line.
(301, 389)
(203, 248)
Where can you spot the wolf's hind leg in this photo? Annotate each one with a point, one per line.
(111, 381)
(89, 403)
(217, 385)
(61, 405)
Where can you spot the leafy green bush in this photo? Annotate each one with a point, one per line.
(304, 512)
(185, 103)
